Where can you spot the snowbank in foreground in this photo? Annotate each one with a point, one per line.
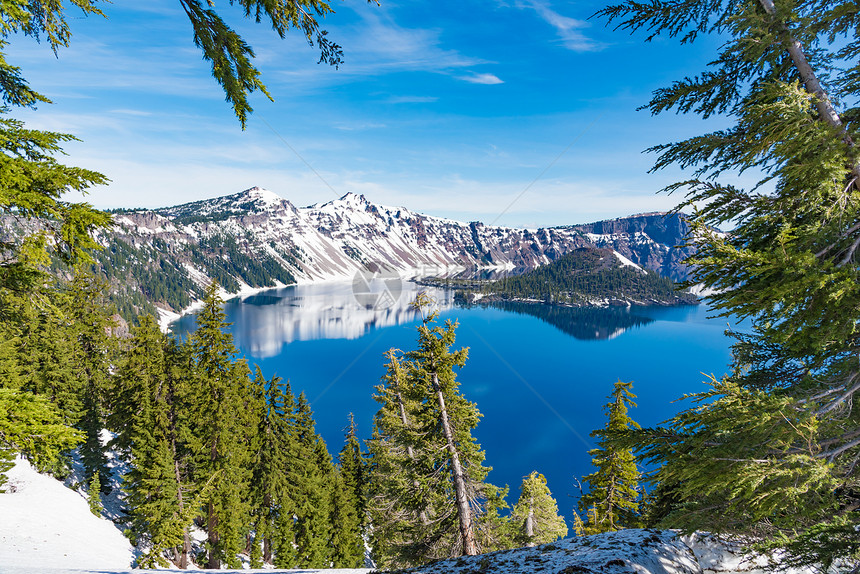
(45, 525)
(623, 552)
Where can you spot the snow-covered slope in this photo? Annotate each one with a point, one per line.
(44, 526)
(255, 239)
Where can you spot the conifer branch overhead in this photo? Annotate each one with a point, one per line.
(771, 449)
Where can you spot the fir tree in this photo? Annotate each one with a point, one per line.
(771, 449)
(89, 327)
(432, 365)
(612, 500)
(397, 504)
(271, 490)
(94, 499)
(313, 478)
(283, 543)
(494, 530)
(216, 436)
(32, 426)
(535, 515)
(427, 470)
(350, 503)
(346, 541)
(47, 358)
(149, 395)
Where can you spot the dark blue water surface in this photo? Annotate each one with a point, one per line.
(540, 375)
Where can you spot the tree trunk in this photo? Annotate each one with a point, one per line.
(182, 558)
(267, 536)
(470, 547)
(267, 550)
(212, 527)
(530, 522)
(810, 82)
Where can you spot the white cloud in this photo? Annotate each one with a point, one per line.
(569, 30)
(487, 79)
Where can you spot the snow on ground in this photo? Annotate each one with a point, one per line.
(623, 552)
(44, 525)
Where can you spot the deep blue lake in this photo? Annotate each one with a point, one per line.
(540, 375)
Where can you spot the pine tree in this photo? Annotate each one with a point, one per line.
(283, 535)
(612, 500)
(30, 425)
(428, 489)
(216, 435)
(313, 478)
(432, 365)
(46, 354)
(271, 489)
(350, 503)
(89, 327)
(94, 499)
(346, 541)
(149, 395)
(770, 450)
(494, 530)
(535, 515)
(396, 503)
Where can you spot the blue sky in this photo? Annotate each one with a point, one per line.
(521, 113)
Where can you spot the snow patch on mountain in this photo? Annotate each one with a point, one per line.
(626, 262)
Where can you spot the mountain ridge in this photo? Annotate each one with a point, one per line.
(255, 238)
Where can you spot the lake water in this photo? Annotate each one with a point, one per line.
(540, 375)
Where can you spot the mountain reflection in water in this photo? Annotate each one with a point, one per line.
(265, 322)
(585, 323)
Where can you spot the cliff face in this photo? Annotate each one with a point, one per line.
(651, 240)
(256, 238)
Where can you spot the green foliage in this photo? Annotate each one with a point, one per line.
(612, 500)
(535, 516)
(143, 275)
(94, 499)
(350, 505)
(89, 326)
(217, 433)
(33, 183)
(314, 484)
(232, 57)
(585, 276)
(31, 425)
(415, 510)
(150, 395)
(771, 449)
(272, 491)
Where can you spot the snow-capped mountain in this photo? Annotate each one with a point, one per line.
(256, 238)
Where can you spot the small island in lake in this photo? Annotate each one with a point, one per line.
(585, 277)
